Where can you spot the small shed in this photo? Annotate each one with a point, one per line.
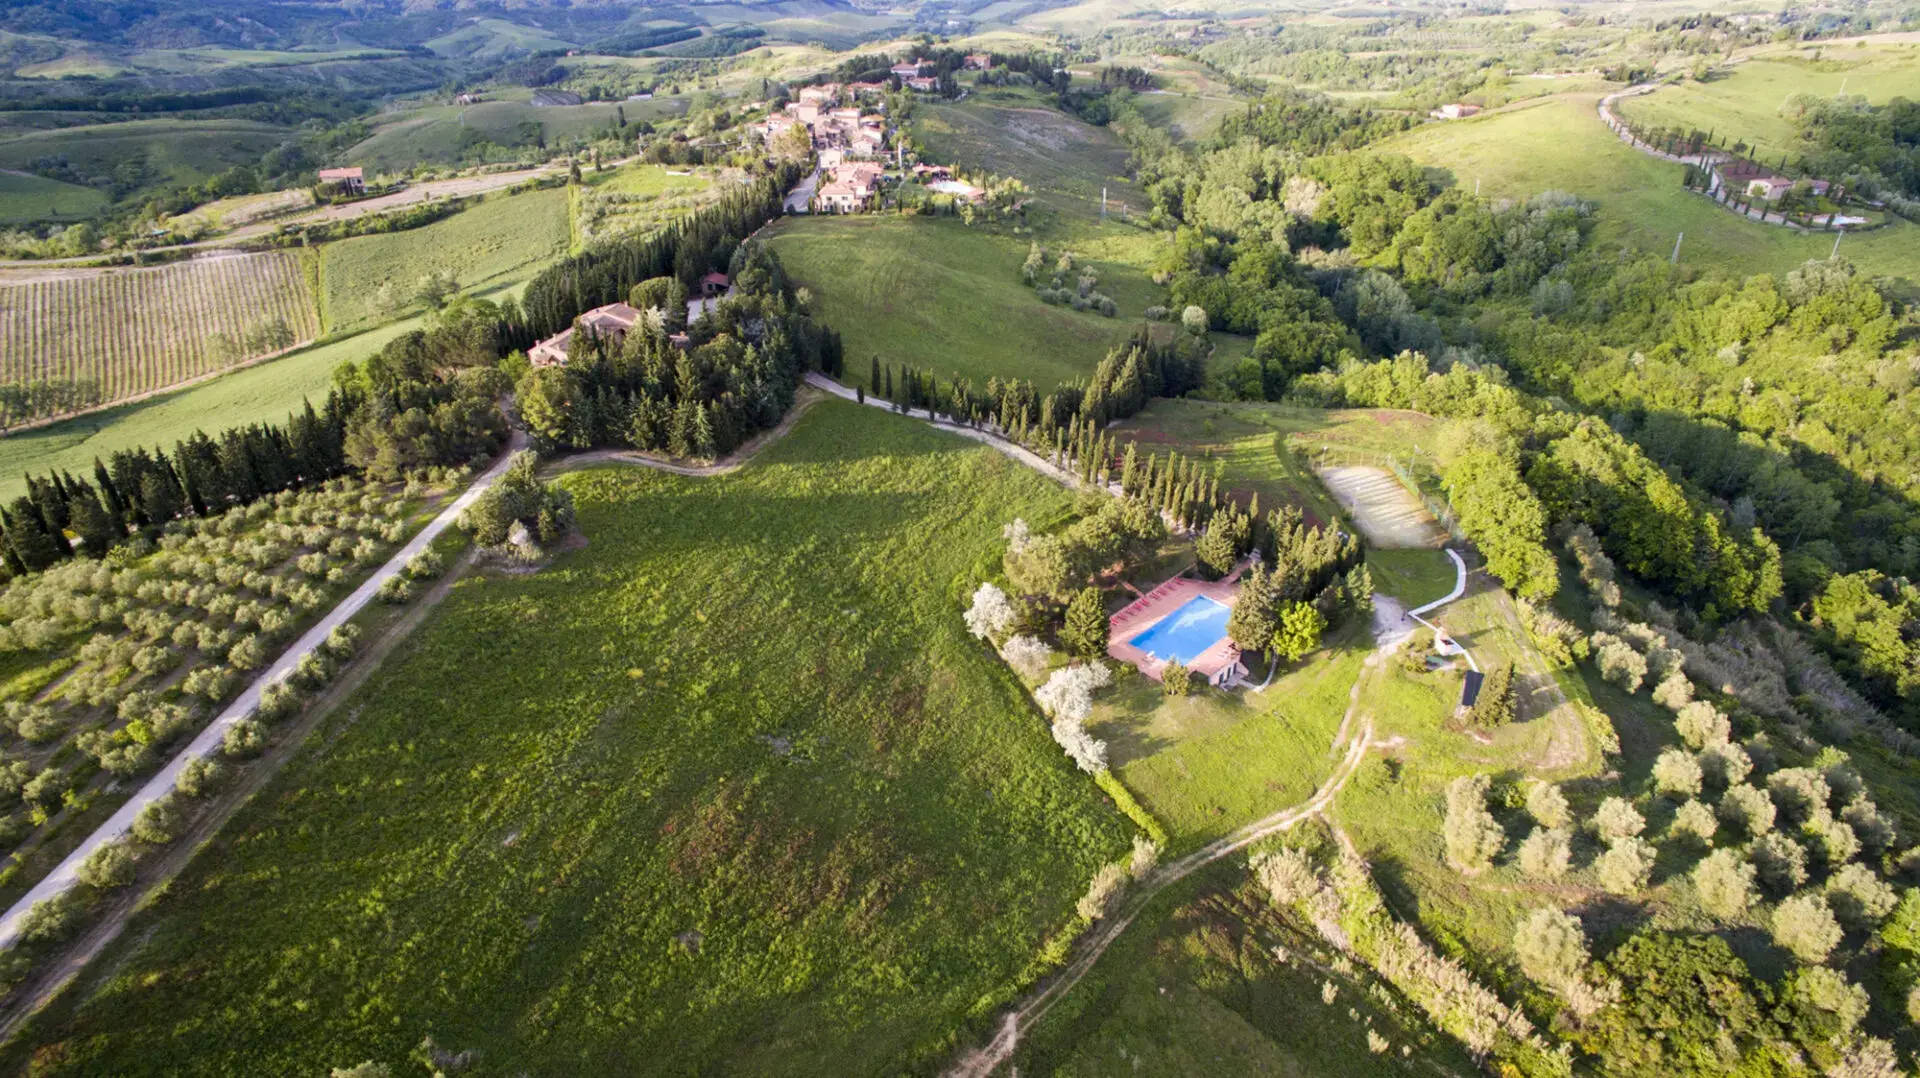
(1470, 687)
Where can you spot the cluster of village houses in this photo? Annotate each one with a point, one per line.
(853, 144)
(852, 147)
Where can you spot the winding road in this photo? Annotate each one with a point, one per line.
(65, 876)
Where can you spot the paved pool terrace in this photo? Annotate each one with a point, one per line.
(1184, 619)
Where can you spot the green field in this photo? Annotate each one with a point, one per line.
(1064, 161)
(939, 295)
(177, 151)
(1744, 102)
(432, 135)
(26, 197)
(371, 279)
(1243, 438)
(1194, 989)
(769, 809)
(1207, 764)
(1559, 144)
(263, 393)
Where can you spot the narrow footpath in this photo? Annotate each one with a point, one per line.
(65, 876)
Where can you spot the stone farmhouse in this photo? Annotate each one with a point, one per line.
(610, 323)
(851, 189)
(844, 130)
(347, 181)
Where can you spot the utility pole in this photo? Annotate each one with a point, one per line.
(1103, 203)
(1676, 248)
(1476, 187)
(1836, 245)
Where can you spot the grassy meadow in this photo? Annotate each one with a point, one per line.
(26, 197)
(937, 294)
(768, 809)
(1744, 101)
(1211, 762)
(1559, 144)
(431, 135)
(1005, 132)
(1243, 440)
(178, 151)
(1194, 989)
(370, 279)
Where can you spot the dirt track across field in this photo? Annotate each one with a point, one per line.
(1386, 512)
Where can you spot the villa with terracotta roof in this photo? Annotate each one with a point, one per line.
(610, 323)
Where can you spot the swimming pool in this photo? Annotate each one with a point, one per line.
(1197, 625)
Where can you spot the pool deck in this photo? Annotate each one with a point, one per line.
(1145, 612)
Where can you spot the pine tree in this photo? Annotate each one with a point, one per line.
(1494, 706)
(1085, 630)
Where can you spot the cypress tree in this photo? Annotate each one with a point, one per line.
(27, 535)
(889, 391)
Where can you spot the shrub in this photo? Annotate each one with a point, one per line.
(277, 701)
(1546, 853)
(1106, 885)
(343, 641)
(1473, 836)
(49, 920)
(1724, 882)
(1548, 806)
(108, 867)
(1748, 808)
(425, 565)
(1626, 866)
(1551, 947)
(1859, 897)
(200, 777)
(159, 822)
(1146, 857)
(1677, 774)
(1617, 819)
(1782, 861)
(1805, 926)
(1288, 876)
(1696, 821)
(243, 739)
(1799, 790)
(1028, 655)
(396, 589)
(991, 613)
(1176, 679)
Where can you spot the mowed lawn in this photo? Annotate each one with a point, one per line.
(1207, 764)
(1559, 144)
(370, 279)
(936, 294)
(728, 791)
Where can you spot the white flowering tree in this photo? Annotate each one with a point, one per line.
(991, 614)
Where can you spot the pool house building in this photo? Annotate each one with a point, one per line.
(1181, 619)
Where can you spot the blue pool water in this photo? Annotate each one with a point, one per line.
(1196, 626)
